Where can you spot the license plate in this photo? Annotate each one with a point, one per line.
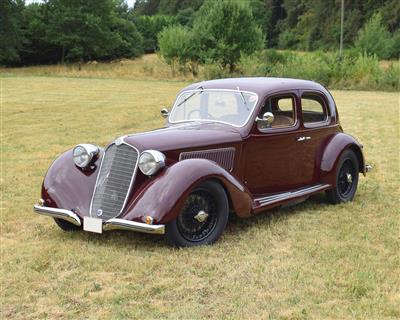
(92, 224)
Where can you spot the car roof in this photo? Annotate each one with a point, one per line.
(259, 85)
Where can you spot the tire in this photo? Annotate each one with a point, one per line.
(346, 179)
(188, 228)
(65, 225)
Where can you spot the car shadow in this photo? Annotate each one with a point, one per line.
(313, 203)
(146, 242)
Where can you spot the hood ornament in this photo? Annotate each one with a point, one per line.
(119, 141)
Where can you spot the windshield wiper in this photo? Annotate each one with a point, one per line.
(190, 96)
(244, 100)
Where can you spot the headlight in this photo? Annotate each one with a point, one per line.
(83, 154)
(151, 161)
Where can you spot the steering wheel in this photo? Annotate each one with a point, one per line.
(209, 116)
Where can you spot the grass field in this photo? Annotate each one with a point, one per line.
(310, 261)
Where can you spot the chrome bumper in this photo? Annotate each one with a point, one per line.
(58, 213)
(112, 224)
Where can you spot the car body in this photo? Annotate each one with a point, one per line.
(241, 145)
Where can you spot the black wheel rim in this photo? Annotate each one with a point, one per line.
(346, 178)
(189, 226)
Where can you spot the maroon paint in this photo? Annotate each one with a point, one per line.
(164, 196)
(265, 162)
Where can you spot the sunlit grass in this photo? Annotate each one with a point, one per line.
(313, 260)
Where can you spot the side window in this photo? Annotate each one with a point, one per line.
(313, 109)
(283, 109)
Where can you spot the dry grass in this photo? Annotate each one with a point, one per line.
(147, 67)
(310, 261)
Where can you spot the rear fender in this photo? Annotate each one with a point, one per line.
(164, 196)
(336, 145)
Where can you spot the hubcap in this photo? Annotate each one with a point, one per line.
(201, 216)
(198, 217)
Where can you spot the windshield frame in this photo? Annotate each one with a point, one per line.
(211, 120)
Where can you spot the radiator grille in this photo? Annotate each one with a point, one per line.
(224, 157)
(114, 181)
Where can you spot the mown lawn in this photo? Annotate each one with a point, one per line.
(312, 260)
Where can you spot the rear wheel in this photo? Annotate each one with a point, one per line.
(346, 179)
(65, 225)
(203, 217)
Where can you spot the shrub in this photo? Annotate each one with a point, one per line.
(177, 47)
(373, 38)
(225, 30)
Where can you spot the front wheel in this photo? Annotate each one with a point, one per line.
(202, 219)
(346, 179)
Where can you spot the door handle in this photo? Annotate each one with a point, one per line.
(299, 139)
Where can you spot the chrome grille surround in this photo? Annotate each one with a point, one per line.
(225, 157)
(115, 179)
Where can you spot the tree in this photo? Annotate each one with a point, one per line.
(373, 38)
(177, 47)
(11, 36)
(150, 27)
(224, 30)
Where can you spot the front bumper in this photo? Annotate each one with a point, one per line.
(112, 224)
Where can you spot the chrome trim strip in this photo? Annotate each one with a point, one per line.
(288, 195)
(212, 121)
(121, 224)
(58, 213)
(122, 141)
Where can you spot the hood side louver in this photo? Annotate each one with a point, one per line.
(225, 157)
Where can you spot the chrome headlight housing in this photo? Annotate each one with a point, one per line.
(84, 153)
(151, 161)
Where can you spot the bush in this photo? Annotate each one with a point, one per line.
(177, 47)
(373, 38)
(351, 71)
(225, 30)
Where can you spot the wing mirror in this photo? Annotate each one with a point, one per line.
(164, 112)
(265, 121)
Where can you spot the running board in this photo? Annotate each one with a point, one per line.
(280, 197)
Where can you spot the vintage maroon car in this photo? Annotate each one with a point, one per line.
(229, 146)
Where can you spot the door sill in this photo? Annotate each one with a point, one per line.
(283, 197)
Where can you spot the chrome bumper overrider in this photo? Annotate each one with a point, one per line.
(112, 224)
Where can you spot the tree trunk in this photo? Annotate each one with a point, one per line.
(62, 54)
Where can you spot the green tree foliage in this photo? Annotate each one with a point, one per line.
(90, 29)
(373, 38)
(178, 47)
(166, 7)
(11, 35)
(150, 26)
(224, 30)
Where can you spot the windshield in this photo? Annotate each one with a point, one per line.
(233, 107)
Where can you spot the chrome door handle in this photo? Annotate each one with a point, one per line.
(299, 139)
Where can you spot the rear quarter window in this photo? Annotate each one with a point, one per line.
(314, 109)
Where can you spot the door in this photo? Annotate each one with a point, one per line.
(315, 129)
(275, 160)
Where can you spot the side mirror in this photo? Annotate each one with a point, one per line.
(164, 112)
(265, 121)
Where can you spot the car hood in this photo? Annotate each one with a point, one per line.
(187, 135)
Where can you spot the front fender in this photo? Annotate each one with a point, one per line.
(163, 197)
(332, 152)
(68, 187)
